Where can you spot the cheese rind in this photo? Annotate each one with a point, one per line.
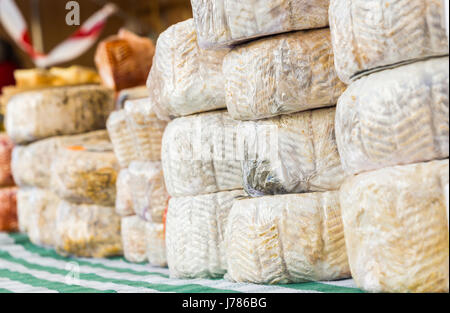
(291, 154)
(286, 239)
(371, 34)
(134, 239)
(148, 191)
(87, 175)
(396, 229)
(156, 244)
(124, 200)
(394, 117)
(281, 75)
(185, 79)
(199, 155)
(195, 234)
(36, 115)
(37, 215)
(31, 164)
(87, 230)
(228, 22)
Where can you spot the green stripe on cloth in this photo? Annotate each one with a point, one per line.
(28, 263)
(5, 291)
(321, 287)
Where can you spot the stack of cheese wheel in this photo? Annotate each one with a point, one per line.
(196, 71)
(65, 168)
(392, 131)
(283, 89)
(8, 208)
(136, 133)
(202, 175)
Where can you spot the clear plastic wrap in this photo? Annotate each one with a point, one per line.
(147, 129)
(134, 239)
(286, 239)
(195, 229)
(36, 115)
(228, 22)
(31, 165)
(148, 190)
(6, 147)
(394, 117)
(8, 210)
(88, 230)
(199, 155)
(185, 79)
(37, 215)
(156, 244)
(86, 174)
(396, 229)
(124, 199)
(369, 35)
(121, 137)
(294, 153)
(123, 61)
(281, 75)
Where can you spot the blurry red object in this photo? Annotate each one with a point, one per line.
(6, 147)
(7, 74)
(8, 210)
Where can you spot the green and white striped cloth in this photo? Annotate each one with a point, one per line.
(27, 268)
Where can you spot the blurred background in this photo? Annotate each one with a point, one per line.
(46, 20)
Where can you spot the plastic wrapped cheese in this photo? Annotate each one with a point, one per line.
(121, 138)
(51, 112)
(8, 210)
(286, 239)
(185, 79)
(88, 230)
(37, 215)
(146, 128)
(156, 244)
(396, 228)
(136, 132)
(227, 22)
(397, 116)
(6, 147)
(86, 174)
(195, 234)
(124, 199)
(369, 35)
(148, 190)
(123, 61)
(134, 239)
(31, 164)
(290, 154)
(199, 155)
(281, 75)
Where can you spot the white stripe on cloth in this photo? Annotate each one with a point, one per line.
(18, 287)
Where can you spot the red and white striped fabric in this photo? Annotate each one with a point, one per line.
(80, 41)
